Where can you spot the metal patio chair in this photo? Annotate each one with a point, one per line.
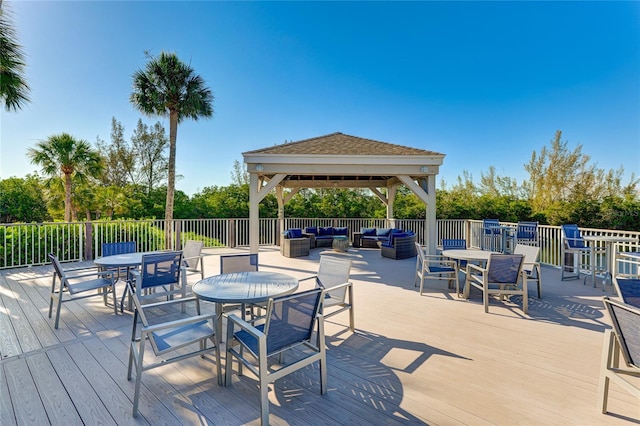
(435, 267)
(502, 276)
(531, 265)
(188, 335)
(623, 339)
(573, 250)
(77, 283)
(192, 257)
(290, 323)
(337, 290)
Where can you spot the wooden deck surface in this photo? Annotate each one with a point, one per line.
(431, 359)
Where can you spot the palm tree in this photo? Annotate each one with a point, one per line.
(168, 87)
(13, 86)
(64, 156)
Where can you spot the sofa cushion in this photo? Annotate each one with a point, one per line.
(383, 232)
(367, 232)
(295, 233)
(311, 230)
(325, 231)
(341, 231)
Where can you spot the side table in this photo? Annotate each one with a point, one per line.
(340, 243)
(356, 239)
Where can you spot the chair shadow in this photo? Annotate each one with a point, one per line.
(371, 380)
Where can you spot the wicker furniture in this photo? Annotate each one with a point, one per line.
(340, 243)
(401, 247)
(295, 247)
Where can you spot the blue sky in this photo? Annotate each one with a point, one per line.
(485, 83)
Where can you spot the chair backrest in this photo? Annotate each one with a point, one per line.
(160, 269)
(57, 267)
(111, 249)
(626, 324)
(191, 251)
(491, 226)
(628, 289)
(454, 244)
(332, 272)
(527, 231)
(571, 236)
(530, 253)
(238, 263)
(504, 268)
(420, 253)
(291, 320)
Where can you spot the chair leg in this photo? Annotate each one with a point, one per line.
(608, 346)
(264, 390)
(136, 395)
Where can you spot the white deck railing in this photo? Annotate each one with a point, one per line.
(29, 244)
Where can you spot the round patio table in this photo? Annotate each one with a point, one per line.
(242, 288)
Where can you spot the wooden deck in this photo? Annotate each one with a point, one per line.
(435, 359)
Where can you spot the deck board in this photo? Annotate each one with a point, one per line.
(431, 359)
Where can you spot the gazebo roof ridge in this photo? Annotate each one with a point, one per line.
(341, 144)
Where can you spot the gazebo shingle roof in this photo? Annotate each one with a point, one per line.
(341, 144)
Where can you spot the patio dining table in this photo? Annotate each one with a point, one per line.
(242, 288)
(608, 241)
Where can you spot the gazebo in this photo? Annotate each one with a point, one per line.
(342, 161)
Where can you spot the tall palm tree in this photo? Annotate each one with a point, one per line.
(169, 87)
(66, 157)
(14, 89)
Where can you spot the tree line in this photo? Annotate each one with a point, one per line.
(563, 187)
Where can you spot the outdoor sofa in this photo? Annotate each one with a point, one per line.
(323, 236)
(371, 237)
(400, 246)
(295, 243)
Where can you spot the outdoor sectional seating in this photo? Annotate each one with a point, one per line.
(400, 246)
(373, 237)
(323, 236)
(294, 243)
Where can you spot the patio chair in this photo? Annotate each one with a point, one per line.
(240, 263)
(531, 266)
(435, 267)
(456, 244)
(112, 249)
(527, 233)
(625, 339)
(628, 289)
(188, 335)
(333, 280)
(290, 323)
(502, 276)
(573, 249)
(77, 282)
(491, 234)
(159, 269)
(192, 259)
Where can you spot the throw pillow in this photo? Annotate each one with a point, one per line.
(311, 230)
(383, 232)
(296, 233)
(325, 231)
(341, 231)
(369, 232)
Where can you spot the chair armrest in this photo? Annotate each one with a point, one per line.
(335, 287)
(434, 259)
(177, 323)
(313, 277)
(169, 302)
(88, 274)
(476, 267)
(233, 319)
(184, 259)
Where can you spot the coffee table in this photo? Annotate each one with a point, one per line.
(340, 243)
